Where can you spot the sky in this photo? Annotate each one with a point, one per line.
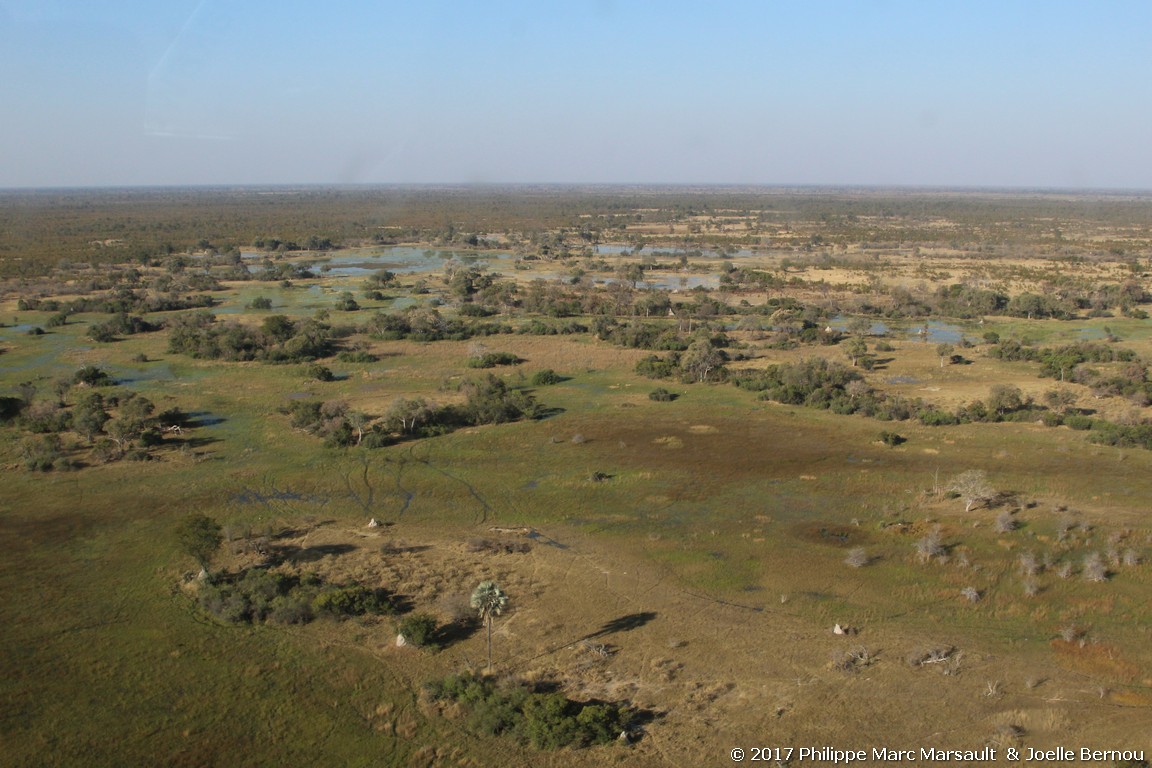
(801, 92)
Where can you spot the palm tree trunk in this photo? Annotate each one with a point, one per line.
(489, 642)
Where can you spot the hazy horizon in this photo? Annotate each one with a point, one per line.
(885, 94)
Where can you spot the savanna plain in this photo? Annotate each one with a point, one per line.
(436, 476)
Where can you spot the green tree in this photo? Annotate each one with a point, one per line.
(860, 326)
(945, 351)
(702, 361)
(279, 327)
(489, 600)
(89, 416)
(199, 537)
(856, 348)
(1005, 398)
(1060, 399)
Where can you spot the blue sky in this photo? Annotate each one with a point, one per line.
(872, 92)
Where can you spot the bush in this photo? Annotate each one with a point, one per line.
(43, 454)
(419, 629)
(661, 395)
(934, 417)
(290, 609)
(545, 378)
(891, 438)
(260, 302)
(655, 367)
(545, 720)
(319, 372)
(493, 359)
(358, 356)
(346, 302)
(93, 377)
(354, 600)
(1076, 421)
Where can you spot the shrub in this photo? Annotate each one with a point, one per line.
(1077, 421)
(357, 356)
(419, 629)
(545, 378)
(93, 377)
(1094, 568)
(260, 302)
(353, 600)
(545, 720)
(43, 454)
(346, 302)
(661, 395)
(1005, 522)
(655, 367)
(319, 372)
(476, 310)
(492, 359)
(891, 438)
(290, 609)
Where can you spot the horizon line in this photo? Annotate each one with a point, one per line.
(576, 186)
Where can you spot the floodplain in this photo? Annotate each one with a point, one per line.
(843, 469)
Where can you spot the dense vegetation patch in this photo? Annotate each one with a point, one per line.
(487, 400)
(257, 595)
(279, 339)
(546, 720)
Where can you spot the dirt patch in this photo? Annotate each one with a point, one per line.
(669, 441)
(1094, 659)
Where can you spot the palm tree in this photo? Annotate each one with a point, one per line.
(489, 600)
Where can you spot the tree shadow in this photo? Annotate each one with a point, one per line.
(455, 631)
(284, 552)
(203, 419)
(548, 413)
(537, 536)
(641, 717)
(625, 623)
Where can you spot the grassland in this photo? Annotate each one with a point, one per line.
(686, 557)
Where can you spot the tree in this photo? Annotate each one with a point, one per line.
(89, 416)
(1005, 398)
(489, 600)
(945, 351)
(973, 487)
(1060, 399)
(860, 326)
(279, 327)
(702, 361)
(199, 537)
(409, 414)
(358, 420)
(855, 349)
